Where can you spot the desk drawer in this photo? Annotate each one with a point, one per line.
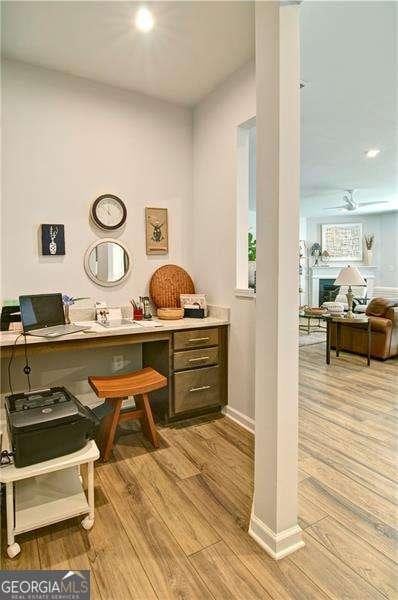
(190, 359)
(200, 338)
(196, 389)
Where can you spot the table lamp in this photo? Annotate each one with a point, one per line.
(350, 276)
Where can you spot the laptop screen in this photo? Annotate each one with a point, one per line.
(41, 310)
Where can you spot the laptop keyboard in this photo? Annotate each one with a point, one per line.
(56, 330)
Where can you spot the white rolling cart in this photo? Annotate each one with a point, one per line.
(48, 492)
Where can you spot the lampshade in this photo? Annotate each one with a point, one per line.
(350, 276)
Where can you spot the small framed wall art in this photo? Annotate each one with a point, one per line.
(157, 231)
(52, 240)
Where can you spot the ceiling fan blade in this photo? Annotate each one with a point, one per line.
(335, 207)
(372, 203)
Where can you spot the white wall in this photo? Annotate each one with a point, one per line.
(384, 226)
(388, 263)
(216, 120)
(69, 140)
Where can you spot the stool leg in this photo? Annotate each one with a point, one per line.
(109, 428)
(147, 422)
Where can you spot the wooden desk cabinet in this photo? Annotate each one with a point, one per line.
(195, 362)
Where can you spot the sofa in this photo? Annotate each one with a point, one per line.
(383, 315)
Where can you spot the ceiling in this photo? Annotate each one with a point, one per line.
(348, 56)
(349, 59)
(194, 46)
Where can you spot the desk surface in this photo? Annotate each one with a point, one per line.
(97, 331)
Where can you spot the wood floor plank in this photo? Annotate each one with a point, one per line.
(113, 560)
(29, 559)
(63, 546)
(175, 463)
(168, 569)
(353, 516)
(371, 430)
(302, 475)
(380, 458)
(237, 464)
(280, 583)
(232, 492)
(359, 472)
(367, 562)
(358, 405)
(189, 528)
(351, 490)
(225, 575)
(328, 572)
(236, 435)
(309, 513)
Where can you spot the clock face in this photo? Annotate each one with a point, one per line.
(109, 212)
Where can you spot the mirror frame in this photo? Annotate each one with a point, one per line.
(90, 274)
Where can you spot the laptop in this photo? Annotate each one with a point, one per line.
(42, 315)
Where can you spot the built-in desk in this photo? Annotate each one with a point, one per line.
(191, 353)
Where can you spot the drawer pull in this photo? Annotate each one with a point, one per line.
(200, 389)
(198, 359)
(203, 339)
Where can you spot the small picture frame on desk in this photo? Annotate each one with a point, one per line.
(194, 302)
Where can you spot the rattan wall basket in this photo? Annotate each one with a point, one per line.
(166, 285)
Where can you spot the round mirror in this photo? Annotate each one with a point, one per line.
(107, 262)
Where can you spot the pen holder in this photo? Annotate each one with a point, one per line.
(137, 314)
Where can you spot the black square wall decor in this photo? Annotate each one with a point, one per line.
(52, 240)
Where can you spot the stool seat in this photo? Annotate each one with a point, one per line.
(121, 386)
(117, 388)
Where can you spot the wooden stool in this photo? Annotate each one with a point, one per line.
(117, 388)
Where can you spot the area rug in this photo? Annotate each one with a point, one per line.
(316, 337)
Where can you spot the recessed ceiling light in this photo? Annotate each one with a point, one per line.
(372, 153)
(144, 20)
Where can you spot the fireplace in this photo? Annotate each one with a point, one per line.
(318, 276)
(327, 290)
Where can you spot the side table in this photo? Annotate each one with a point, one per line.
(344, 322)
(48, 492)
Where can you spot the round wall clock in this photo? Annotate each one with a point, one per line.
(109, 212)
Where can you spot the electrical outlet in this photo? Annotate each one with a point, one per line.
(117, 363)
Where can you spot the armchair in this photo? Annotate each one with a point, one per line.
(383, 317)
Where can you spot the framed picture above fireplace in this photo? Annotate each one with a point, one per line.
(343, 241)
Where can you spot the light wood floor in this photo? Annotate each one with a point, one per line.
(172, 523)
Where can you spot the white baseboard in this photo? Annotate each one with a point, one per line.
(242, 420)
(277, 545)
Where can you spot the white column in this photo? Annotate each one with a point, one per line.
(274, 514)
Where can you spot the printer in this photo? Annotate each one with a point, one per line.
(47, 424)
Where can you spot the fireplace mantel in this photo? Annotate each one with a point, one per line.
(329, 271)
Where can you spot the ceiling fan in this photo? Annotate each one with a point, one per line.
(351, 204)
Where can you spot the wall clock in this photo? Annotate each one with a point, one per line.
(109, 212)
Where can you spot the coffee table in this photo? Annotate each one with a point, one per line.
(308, 327)
(345, 322)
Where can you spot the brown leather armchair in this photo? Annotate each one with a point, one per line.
(383, 317)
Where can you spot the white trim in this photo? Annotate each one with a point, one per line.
(277, 545)
(245, 293)
(239, 418)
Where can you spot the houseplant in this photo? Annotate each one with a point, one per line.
(252, 260)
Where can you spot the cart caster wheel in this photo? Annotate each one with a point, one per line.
(88, 522)
(13, 550)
